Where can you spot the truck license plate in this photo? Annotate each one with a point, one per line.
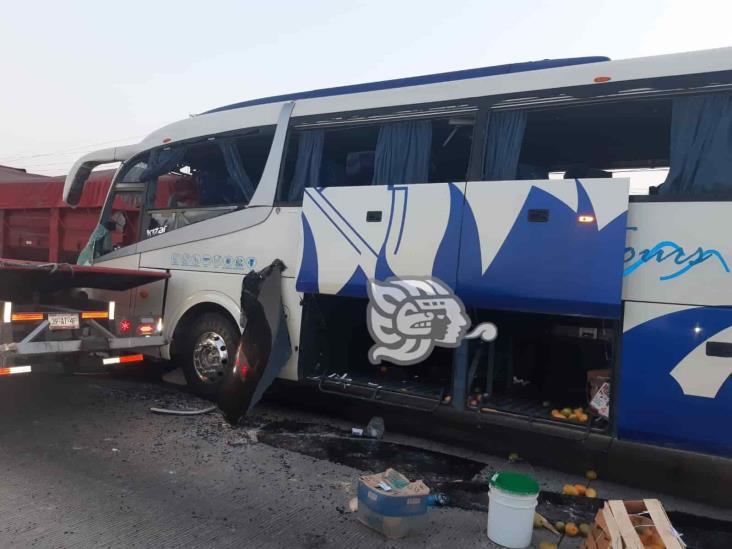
(63, 321)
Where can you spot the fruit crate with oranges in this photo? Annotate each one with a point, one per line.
(632, 525)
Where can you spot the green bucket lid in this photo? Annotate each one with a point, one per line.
(515, 483)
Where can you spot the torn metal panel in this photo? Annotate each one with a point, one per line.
(264, 346)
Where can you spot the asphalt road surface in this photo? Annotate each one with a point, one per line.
(84, 463)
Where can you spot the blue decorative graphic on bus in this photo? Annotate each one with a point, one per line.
(651, 351)
(393, 237)
(553, 266)
(446, 257)
(668, 250)
(307, 276)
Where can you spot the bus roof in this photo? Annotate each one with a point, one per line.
(417, 80)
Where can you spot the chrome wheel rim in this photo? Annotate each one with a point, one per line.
(210, 357)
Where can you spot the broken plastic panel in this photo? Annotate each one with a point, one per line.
(264, 346)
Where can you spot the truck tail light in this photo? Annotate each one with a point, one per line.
(146, 328)
(125, 326)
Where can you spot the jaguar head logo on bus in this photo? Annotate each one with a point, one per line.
(407, 318)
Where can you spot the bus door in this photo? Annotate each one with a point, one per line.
(544, 246)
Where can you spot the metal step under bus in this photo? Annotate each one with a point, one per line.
(416, 395)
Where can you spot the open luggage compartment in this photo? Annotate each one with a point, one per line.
(538, 366)
(334, 353)
(541, 365)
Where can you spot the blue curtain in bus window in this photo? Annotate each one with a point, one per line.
(503, 145)
(236, 170)
(403, 153)
(162, 161)
(307, 165)
(701, 145)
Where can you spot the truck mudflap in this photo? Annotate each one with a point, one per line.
(264, 347)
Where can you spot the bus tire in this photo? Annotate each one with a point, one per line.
(208, 349)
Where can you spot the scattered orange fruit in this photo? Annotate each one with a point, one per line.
(570, 490)
(571, 529)
(581, 489)
(590, 493)
(557, 414)
(591, 475)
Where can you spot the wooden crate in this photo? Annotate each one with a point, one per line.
(628, 524)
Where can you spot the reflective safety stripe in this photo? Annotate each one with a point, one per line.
(94, 314)
(19, 317)
(123, 359)
(14, 370)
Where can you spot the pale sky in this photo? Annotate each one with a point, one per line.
(82, 75)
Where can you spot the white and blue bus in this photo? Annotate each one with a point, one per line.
(584, 206)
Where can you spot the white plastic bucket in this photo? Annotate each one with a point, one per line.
(510, 518)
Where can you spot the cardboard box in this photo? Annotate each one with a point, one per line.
(390, 504)
(632, 525)
(598, 392)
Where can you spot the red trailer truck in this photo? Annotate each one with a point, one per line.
(46, 314)
(35, 223)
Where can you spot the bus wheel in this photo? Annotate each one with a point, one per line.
(208, 350)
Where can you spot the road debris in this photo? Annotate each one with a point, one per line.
(392, 505)
(174, 412)
(438, 500)
(353, 505)
(541, 522)
(375, 427)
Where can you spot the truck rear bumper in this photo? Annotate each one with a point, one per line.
(79, 345)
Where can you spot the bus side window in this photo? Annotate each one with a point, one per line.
(193, 182)
(388, 153)
(606, 140)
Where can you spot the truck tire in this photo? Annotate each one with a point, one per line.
(207, 350)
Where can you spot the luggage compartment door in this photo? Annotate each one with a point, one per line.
(354, 234)
(544, 246)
